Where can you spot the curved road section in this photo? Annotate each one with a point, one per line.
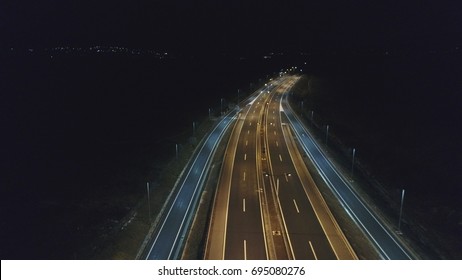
(266, 205)
(387, 245)
(169, 239)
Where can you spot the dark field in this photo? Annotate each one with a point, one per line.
(82, 134)
(402, 113)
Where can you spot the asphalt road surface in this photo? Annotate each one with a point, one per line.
(267, 206)
(384, 240)
(169, 238)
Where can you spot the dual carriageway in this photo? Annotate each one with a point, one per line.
(266, 204)
(263, 207)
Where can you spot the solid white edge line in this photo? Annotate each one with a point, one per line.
(179, 191)
(324, 176)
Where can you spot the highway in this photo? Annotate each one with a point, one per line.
(169, 238)
(388, 246)
(239, 165)
(266, 205)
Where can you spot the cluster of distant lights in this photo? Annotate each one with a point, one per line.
(114, 50)
(290, 70)
(100, 49)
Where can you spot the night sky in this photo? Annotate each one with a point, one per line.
(232, 25)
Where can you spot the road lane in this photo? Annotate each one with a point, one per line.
(302, 223)
(388, 246)
(169, 238)
(229, 229)
(265, 198)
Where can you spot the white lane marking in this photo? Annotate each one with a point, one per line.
(280, 157)
(248, 131)
(312, 250)
(244, 177)
(296, 206)
(246, 142)
(273, 111)
(277, 144)
(287, 177)
(275, 132)
(243, 205)
(245, 249)
(245, 156)
(250, 123)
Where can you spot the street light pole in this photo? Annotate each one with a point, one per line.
(327, 133)
(353, 162)
(401, 210)
(149, 202)
(221, 107)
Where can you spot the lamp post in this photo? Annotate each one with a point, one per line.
(149, 202)
(221, 107)
(327, 133)
(401, 211)
(353, 162)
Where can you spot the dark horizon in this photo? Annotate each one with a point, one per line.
(240, 26)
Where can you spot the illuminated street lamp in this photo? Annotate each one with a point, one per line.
(221, 108)
(149, 202)
(353, 162)
(401, 211)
